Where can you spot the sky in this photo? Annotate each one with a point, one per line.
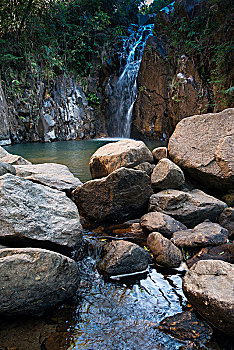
(149, 2)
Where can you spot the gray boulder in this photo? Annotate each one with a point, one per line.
(202, 235)
(226, 220)
(190, 208)
(166, 174)
(122, 257)
(203, 146)
(165, 252)
(120, 196)
(33, 280)
(125, 153)
(208, 285)
(6, 168)
(36, 215)
(12, 159)
(159, 222)
(56, 176)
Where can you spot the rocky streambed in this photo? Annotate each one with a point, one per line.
(108, 264)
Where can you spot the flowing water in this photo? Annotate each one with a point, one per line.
(124, 94)
(103, 315)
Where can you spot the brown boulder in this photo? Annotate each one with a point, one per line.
(120, 196)
(203, 146)
(161, 223)
(164, 251)
(208, 285)
(166, 174)
(159, 153)
(190, 208)
(125, 153)
(202, 235)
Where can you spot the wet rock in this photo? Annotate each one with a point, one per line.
(120, 196)
(6, 168)
(33, 280)
(132, 233)
(159, 153)
(53, 175)
(187, 326)
(36, 215)
(226, 220)
(202, 235)
(166, 174)
(208, 285)
(203, 146)
(165, 252)
(224, 252)
(123, 257)
(125, 153)
(147, 167)
(161, 223)
(12, 159)
(191, 208)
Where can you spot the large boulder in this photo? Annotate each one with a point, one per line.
(190, 208)
(208, 285)
(164, 251)
(203, 146)
(123, 257)
(36, 215)
(202, 235)
(125, 153)
(54, 175)
(120, 196)
(159, 222)
(33, 280)
(167, 174)
(12, 159)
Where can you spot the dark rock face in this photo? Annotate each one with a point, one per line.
(226, 220)
(167, 91)
(36, 215)
(4, 120)
(187, 326)
(165, 252)
(52, 175)
(33, 280)
(224, 252)
(208, 285)
(166, 175)
(190, 208)
(6, 168)
(162, 223)
(123, 258)
(203, 146)
(12, 159)
(125, 153)
(120, 196)
(202, 235)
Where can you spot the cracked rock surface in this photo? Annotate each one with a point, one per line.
(203, 146)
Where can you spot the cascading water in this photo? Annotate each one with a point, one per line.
(124, 94)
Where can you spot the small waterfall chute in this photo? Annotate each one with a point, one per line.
(124, 93)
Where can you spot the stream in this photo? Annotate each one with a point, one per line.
(103, 315)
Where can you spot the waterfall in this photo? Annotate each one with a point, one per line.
(124, 93)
